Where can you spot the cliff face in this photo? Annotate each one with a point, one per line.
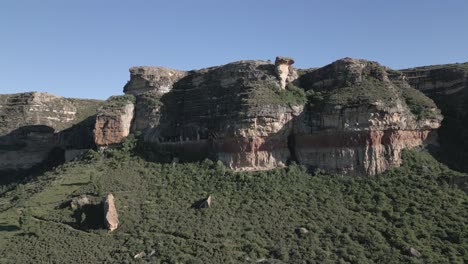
(113, 120)
(232, 112)
(33, 124)
(352, 117)
(447, 85)
(359, 119)
(356, 117)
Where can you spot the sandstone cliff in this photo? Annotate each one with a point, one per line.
(113, 120)
(352, 117)
(359, 118)
(356, 117)
(447, 85)
(33, 125)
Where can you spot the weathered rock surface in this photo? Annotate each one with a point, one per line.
(286, 73)
(33, 125)
(447, 85)
(111, 217)
(113, 120)
(206, 203)
(357, 118)
(155, 79)
(230, 112)
(350, 117)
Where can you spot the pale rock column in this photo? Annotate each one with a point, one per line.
(286, 73)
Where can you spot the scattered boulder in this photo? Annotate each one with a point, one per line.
(414, 253)
(140, 255)
(79, 202)
(302, 231)
(111, 217)
(205, 203)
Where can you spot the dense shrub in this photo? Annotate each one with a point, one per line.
(254, 215)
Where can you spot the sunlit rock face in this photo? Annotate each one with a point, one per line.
(351, 117)
(362, 119)
(113, 121)
(229, 112)
(356, 120)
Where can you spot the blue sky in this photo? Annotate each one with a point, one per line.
(84, 48)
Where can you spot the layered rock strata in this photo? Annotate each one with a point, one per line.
(357, 118)
(33, 125)
(447, 85)
(113, 120)
(231, 112)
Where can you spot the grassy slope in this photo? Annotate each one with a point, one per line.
(254, 215)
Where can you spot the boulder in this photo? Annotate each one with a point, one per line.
(414, 253)
(111, 217)
(79, 202)
(206, 203)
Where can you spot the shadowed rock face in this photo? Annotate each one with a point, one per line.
(447, 85)
(33, 124)
(357, 118)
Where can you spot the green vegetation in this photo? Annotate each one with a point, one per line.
(269, 92)
(114, 104)
(369, 91)
(419, 104)
(85, 108)
(254, 215)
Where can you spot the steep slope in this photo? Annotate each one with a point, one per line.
(447, 85)
(33, 125)
(253, 215)
(236, 113)
(359, 118)
(250, 115)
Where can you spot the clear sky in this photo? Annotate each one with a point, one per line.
(83, 48)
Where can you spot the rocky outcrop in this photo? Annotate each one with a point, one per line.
(358, 120)
(447, 85)
(152, 79)
(233, 113)
(111, 217)
(113, 120)
(352, 117)
(34, 125)
(286, 73)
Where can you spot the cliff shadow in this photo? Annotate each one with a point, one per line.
(30, 151)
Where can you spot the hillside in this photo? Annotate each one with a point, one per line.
(254, 216)
(352, 162)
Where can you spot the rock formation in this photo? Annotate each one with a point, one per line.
(33, 125)
(156, 79)
(447, 85)
(206, 203)
(286, 73)
(356, 119)
(111, 217)
(113, 120)
(359, 119)
(352, 117)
